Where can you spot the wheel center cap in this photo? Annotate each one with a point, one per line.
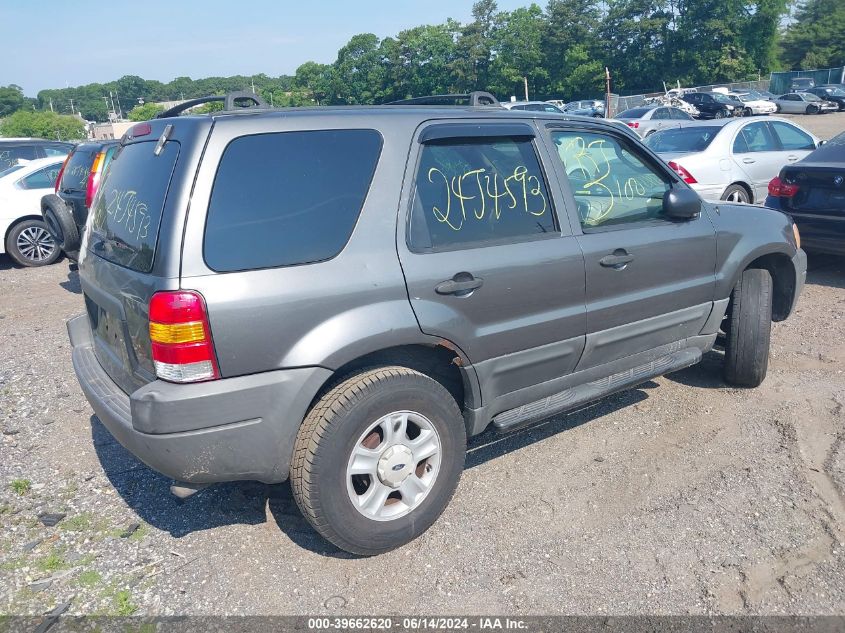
(395, 464)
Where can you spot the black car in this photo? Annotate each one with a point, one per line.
(714, 105)
(830, 93)
(65, 212)
(13, 150)
(812, 191)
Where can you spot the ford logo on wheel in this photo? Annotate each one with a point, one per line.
(398, 467)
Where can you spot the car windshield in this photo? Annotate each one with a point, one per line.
(633, 113)
(684, 139)
(809, 96)
(744, 98)
(718, 96)
(9, 170)
(835, 92)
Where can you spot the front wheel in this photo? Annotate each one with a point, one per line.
(747, 112)
(378, 458)
(749, 328)
(719, 114)
(29, 244)
(811, 109)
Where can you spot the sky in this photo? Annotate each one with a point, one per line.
(47, 42)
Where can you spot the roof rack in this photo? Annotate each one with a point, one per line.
(230, 101)
(476, 98)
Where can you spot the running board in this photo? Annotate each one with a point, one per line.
(582, 394)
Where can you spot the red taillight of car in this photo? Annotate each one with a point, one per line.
(181, 337)
(633, 124)
(94, 178)
(62, 171)
(683, 173)
(780, 189)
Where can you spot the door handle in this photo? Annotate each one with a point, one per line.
(748, 161)
(619, 260)
(461, 285)
(791, 158)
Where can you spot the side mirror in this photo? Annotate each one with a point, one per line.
(681, 204)
(820, 143)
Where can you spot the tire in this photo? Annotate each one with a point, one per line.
(811, 109)
(736, 193)
(356, 417)
(29, 244)
(58, 218)
(777, 108)
(748, 332)
(719, 114)
(747, 112)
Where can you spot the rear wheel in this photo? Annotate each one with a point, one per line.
(736, 193)
(719, 114)
(749, 328)
(29, 244)
(747, 112)
(378, 458)
(777, 108)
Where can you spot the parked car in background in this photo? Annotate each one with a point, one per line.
(804, 103)
(752, 104)
(66, 210)
(586, 107)
(25, 236)
(649, 119)
(732, 159)
(283, 327)
(763, 94)
(532, 106)
(714, 105)
(831, 93)
(812, 191)
(802, 83)
(18, 150)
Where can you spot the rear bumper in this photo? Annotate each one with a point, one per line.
(799, 264)
(225, 430)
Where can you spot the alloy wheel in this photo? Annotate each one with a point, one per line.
(35, 244)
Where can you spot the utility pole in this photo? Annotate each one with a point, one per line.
(72, 111)
(119, 109)
(253, 86)
(607, 112)
(525, 82)
(51, 105)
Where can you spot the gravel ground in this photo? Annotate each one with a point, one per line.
(684, 496)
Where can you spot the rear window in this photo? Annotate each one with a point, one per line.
(75, 175)
(126, 212)
(10, 155)
(633, 113)
(288, 198)
(689, 139)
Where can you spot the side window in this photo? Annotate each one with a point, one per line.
(288, 198)
(54, 151)
(469, 192)
(791, 137)
(611, 183)
(758, 138)
(660, 113)
(42, 179)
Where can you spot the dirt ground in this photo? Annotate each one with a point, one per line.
(683, 496)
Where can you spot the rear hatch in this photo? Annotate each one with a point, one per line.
(132, 243)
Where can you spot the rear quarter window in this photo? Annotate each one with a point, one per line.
(288, 198)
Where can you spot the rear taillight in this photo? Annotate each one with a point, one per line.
(781, 189)
(62, 171)
(683, 173)
(633, 124)
(181, 337)
(94, 178)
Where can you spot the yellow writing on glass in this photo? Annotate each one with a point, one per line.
(479, 194)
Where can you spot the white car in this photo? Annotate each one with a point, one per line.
(732, 159)
(752, 106)
(26, 239)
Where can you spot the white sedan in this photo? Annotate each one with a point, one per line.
(26, 239)
(732, 159)
(753, 105)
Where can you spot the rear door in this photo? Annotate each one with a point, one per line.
(650, 279)
(490, 263)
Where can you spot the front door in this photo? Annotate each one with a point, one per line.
(488, 264)
(757, 154)
(650, 279)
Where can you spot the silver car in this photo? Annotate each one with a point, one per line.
(649, 119)
(732, 159)
(804, 103)
(532, 106)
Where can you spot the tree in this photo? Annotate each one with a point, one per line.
(314, 80)
(144, 112)
(571, 24)
(473, 53)
(11, 99)
(518, 42)
(48, 125)
(359, 72)
(816, 39)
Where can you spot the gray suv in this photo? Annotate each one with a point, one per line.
(343, 296)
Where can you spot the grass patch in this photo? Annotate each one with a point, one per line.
(77, 523)
(21, 486)
(54, 561)
(122, 603)
(140, 533)
(13, 564)
(89, 578)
